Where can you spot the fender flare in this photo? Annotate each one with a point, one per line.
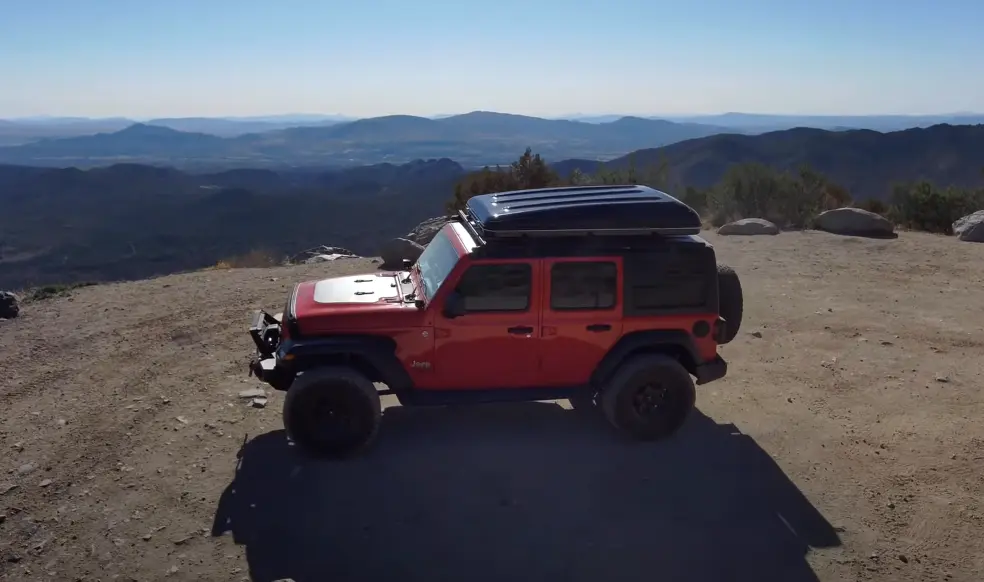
(377, 351)
(646, 341)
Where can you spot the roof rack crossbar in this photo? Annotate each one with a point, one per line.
(467, 223)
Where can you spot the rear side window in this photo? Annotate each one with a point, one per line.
(675, 279)
(504, 287)
(583, 285)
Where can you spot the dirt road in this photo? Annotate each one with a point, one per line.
(846, 443)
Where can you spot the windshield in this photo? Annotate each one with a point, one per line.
(435, 263)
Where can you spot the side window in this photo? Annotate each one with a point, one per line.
(583, 285)
(503, 287)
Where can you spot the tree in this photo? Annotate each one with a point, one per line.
(529, 171)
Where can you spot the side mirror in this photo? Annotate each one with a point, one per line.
(454, 305)
(406, 264)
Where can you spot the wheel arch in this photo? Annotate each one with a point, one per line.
(676, 343)
(372, 356)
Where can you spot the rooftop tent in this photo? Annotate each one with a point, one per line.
(615, 210)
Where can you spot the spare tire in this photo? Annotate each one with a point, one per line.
(730, 301)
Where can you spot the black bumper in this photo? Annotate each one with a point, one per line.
(712, 370)
(265, 331)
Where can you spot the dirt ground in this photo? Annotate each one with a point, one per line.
(846, 443)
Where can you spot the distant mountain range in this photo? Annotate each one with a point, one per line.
(865, 162)
(133, 221)
(760, 123)
(472, 139)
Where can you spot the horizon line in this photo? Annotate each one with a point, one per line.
(347, 117)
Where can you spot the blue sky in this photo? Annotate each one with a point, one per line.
(145, 58)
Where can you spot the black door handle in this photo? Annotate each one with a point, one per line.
(521, 330)
(599, 327)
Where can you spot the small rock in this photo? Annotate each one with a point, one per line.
(890, 505)
(7, 488)
(756, 334)
(3, 517)
(789, 399)
(887, 343)
(172, 570)
(252, 393)
(942, 379)
(13, 558)
(181, 540)
(259, 402)
(146, 537)
(181, 419)
(903, 559)
(26, 468)
(62, 422)
(18, 446)
(45, 483)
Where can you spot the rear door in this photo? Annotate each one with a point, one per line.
(582, 315)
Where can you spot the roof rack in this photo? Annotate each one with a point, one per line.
(627, 210)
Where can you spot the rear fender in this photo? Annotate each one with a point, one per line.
(673, 342)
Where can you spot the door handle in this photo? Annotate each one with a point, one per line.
(599, 327)
(520, 330)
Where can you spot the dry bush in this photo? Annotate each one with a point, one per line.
(257, 258)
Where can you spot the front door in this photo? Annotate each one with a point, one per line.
(582, 318)
(495, 343)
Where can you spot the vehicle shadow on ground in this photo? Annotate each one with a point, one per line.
(522, 491)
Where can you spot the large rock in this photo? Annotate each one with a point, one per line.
(9, 307)
(855, 222)
(398, 250)
(749, 226)
(424, 232)
(970, 228)
(321, 254)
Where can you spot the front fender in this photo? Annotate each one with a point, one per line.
(375, 351)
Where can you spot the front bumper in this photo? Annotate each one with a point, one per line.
(265, 330)
(712, 370)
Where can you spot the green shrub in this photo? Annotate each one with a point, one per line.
(924, 206)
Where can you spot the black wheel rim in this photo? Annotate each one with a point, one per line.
(651, 400)
(335, 418)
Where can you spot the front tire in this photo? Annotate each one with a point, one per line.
(332, 412)
(649, 397)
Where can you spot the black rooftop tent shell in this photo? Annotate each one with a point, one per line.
(566, 211)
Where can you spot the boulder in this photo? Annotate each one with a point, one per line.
(424, 232)
(970, 228)
(397, 250)
(321, 254)
(855, 222)
(749, 226)
(9, 307)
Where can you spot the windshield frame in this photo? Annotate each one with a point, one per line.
(435, 264)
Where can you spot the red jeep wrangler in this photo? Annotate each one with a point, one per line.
(603, 295)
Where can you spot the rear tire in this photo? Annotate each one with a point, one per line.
(332, 412)
(649, 397)
(730, 301)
